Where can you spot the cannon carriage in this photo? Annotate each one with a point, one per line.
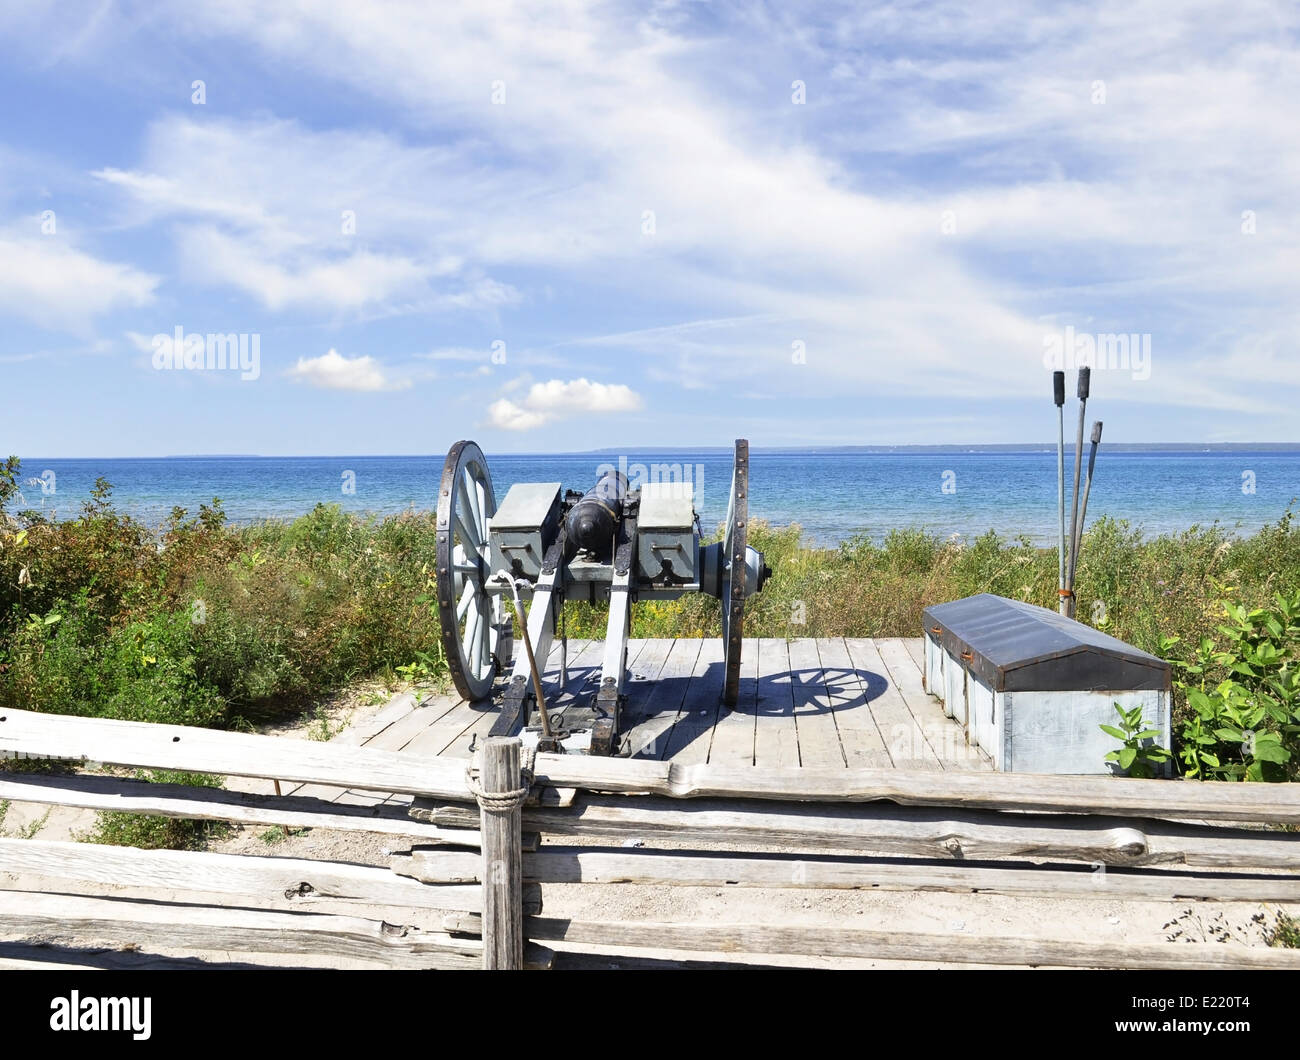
(619, 542)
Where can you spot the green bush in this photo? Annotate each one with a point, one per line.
(1240, 718)
(204, 623)
(140, 671)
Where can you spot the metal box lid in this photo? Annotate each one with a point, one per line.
(1014, 646)
(667, 506)
(527, 506)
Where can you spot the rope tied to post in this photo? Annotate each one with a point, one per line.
(504, 801)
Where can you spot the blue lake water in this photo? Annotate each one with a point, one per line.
(833, 495)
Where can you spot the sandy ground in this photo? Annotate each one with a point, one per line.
(1095, 919)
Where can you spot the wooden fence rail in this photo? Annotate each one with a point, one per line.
(243, 755)
(475, 848)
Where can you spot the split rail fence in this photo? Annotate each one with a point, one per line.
(473, 848)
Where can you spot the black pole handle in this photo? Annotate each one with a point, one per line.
(1058, 388)
(1096, 433)
(1085, 378)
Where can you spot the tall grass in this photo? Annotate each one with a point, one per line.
(204, 623)
(1135, 588)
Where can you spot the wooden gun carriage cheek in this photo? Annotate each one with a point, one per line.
(544, 545)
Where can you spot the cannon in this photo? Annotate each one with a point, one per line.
(619, 542)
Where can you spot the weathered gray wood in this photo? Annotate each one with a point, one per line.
(814, 710)
(289, 882)
(442, 732)
(688, 741)
(897, 946)
(660, 705)
(44, 957)
(656, 868)
(584, 672)
(359, 733)
(118, 795)
(428, 866)
(399, 708)
(640, 687)
(1258, 803)
(916, 649)
(38, 956)
(905, 739)
(398, 736)
(237, 754)
(464, 745)
(860, 738)
(883, 828)
(200, 750)
(732, 743)
(502, 857)
(198, 927)
(643, 672)
(776, 736)
(941, 732)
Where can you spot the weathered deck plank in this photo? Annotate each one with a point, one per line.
(814, 709)
(688, 742)
(584, 672)
(663, 699)
(732, 741)
(776, 735)
(916, 649)
(943, 734)
(904, 738)
(863, 745)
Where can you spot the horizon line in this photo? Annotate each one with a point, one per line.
(874, 449)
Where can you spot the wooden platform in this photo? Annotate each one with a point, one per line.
(837, 702)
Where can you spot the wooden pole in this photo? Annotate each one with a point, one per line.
(503, 902)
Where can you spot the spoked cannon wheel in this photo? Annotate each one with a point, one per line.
(735, 544)
(471, 616)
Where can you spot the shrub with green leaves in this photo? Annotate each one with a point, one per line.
(1140, 756)
(1243, 695)
(202, 622)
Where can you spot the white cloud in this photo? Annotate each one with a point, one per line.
(507, 416)
(301, 218)
(347, 281)
(333, 371)
(61, 288)
(164, 195)
(557, 400)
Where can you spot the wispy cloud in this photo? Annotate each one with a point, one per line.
(637, 197)
(333, 371)
(52, 284)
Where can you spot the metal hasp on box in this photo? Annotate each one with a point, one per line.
(618, 542)
(1031, 687)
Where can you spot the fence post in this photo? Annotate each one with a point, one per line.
(500, 821)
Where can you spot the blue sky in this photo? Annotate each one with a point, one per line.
(559, 226)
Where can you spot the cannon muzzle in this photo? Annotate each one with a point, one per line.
(593, 521)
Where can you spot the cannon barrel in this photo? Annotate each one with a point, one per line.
(594, 519)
